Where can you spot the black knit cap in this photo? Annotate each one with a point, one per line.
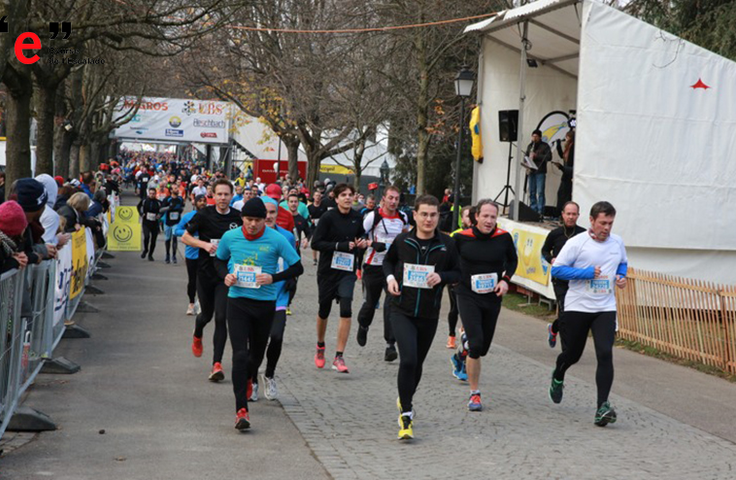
(31, 194)
(254, 208)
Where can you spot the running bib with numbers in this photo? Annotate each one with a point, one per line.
(246, 276)
(151, 217)
(174, 215)
(215, 242)
(483, 282)
(599, 286)
(343, 261)
(416, 275)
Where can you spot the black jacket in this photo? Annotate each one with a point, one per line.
(441, 253)
(543, 155)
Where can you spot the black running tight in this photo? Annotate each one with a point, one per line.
(192, 278)
(574, 328)
(212, 295)
(414, 338)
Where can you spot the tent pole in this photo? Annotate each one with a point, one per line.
(518, 191)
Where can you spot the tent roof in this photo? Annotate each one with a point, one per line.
(555, 39)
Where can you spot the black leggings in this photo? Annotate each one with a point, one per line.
(192, 279)
(170, 243)
(250, 323)
(414, 338)
(560, 287)
(150, 233)
(212, 295)
(574, 328)
(374, 283)
(453, 315)
(275, 343)
(480, 315)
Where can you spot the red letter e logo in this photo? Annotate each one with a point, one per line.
(20, 46)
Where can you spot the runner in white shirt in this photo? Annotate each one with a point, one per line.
(594, 263)
(382, 226)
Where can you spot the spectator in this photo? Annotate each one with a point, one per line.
(62, 196)
(74, 211)
(97, 205)
(31, 196)
(12, 225)
(88, 183)
(49, 218)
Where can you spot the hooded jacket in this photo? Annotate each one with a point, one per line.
(49, 218)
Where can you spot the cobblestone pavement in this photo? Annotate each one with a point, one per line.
(349, 421)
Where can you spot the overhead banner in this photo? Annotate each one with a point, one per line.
(174, 120)
(80, 262)
(124, 234)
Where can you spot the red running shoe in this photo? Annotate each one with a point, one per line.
(339, 365)
(217, 373)
(197, 347)
(242, 420)
(319, 358)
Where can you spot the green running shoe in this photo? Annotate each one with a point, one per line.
(605, 415)
(555, 389)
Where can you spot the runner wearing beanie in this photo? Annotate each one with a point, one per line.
(284, 218)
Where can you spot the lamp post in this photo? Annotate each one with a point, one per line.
(385, 169)
(463, 87)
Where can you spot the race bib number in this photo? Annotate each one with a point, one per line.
(151, 217)
(484, 282)
(343, 261)
(416, 275)
(246, 275)
(215, 242)
(599, 286)
(174, 215)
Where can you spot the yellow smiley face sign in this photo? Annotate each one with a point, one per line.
(124, 237)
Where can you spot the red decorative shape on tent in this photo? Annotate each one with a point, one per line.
(700, 84)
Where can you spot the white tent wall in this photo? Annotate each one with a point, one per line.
(547, 90)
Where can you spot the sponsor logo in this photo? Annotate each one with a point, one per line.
(173, 132)
(138, 129)
(156, 106)
(210, 108)
(136, 118)
(208, 135)
(233, 226)
(209, 123)
(175, 121)
(189, 108)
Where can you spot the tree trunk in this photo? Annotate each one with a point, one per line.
(18, 130)
(74, 155)
(84, 158)
(292, 151)
(422, 116)
(62, 149)
(94, 155)
(45, 111)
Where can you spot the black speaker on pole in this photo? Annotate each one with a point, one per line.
(508, 121)
(526, 214)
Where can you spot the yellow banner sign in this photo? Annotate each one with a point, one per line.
(124, 237)
(126, 215)
(529, 249)
(335, 169)
(80, 262)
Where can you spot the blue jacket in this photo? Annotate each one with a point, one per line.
(192, 253)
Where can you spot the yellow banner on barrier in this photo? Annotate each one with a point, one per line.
(80, 262)
(125, 232)
(529, 249)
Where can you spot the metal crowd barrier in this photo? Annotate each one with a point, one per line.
(11, 347)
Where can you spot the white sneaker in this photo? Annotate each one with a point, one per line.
(190, 309)
(254, 395)
(270, 391)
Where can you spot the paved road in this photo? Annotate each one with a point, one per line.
(164, 420)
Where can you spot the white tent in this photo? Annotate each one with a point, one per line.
(656, 118)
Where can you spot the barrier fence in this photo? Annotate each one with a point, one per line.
(689, 319)
(35, 303)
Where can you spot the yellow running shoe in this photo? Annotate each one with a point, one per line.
(405, 432)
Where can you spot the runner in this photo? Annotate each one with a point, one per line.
(425, 260)
(338, 237)
(247, 195)
(592, 263)
(191, 255)
(488, 260)
(211, 223)
(316, 210)
(556, 239)
(381, 227)
(247, 258)
(301, 225)
(149, 210)
(142, 180)
(452, 316)
(173, 206)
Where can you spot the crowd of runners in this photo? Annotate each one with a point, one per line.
(244, 244)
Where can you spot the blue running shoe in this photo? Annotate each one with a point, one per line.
(457, 366)
(551, 336)
(463, 375)
(474, 404)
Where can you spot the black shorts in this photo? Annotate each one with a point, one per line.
(335, 287)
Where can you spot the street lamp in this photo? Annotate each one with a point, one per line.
(385, 170)
(463, 87)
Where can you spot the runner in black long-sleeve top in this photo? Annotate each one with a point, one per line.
(488, 260)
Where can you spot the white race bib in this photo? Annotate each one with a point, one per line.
(215, 242)
(483, 282)
(151, 217)
(599, 286)
(174, 215)
(416, 275)
(246, 276)
(343, 261)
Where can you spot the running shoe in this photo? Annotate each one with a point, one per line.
(242, 420)
(254, 393)
(270, 391)
(462, 374)
(362, 336)
(605, 415)
(168, 259)
(150, 259)
(474, 404)
(190, 309)
(339, 365)
(401, 410)
(314, 262)
(197, 347)
(451, 343)
(288, 311)
(217, 373)
(145, 252)
(555, 389)
(458, 368)
(551, 336)
(391, 354)
(319, 357)
(405, 432)
(173, 259)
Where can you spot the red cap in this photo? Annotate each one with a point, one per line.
(274, 191)
(372, 186)
(12, 219)
(59, 180)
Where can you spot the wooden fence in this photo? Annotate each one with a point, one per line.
(685, 318)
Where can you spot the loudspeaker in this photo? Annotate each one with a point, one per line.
(526, 214)
(508, 121)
